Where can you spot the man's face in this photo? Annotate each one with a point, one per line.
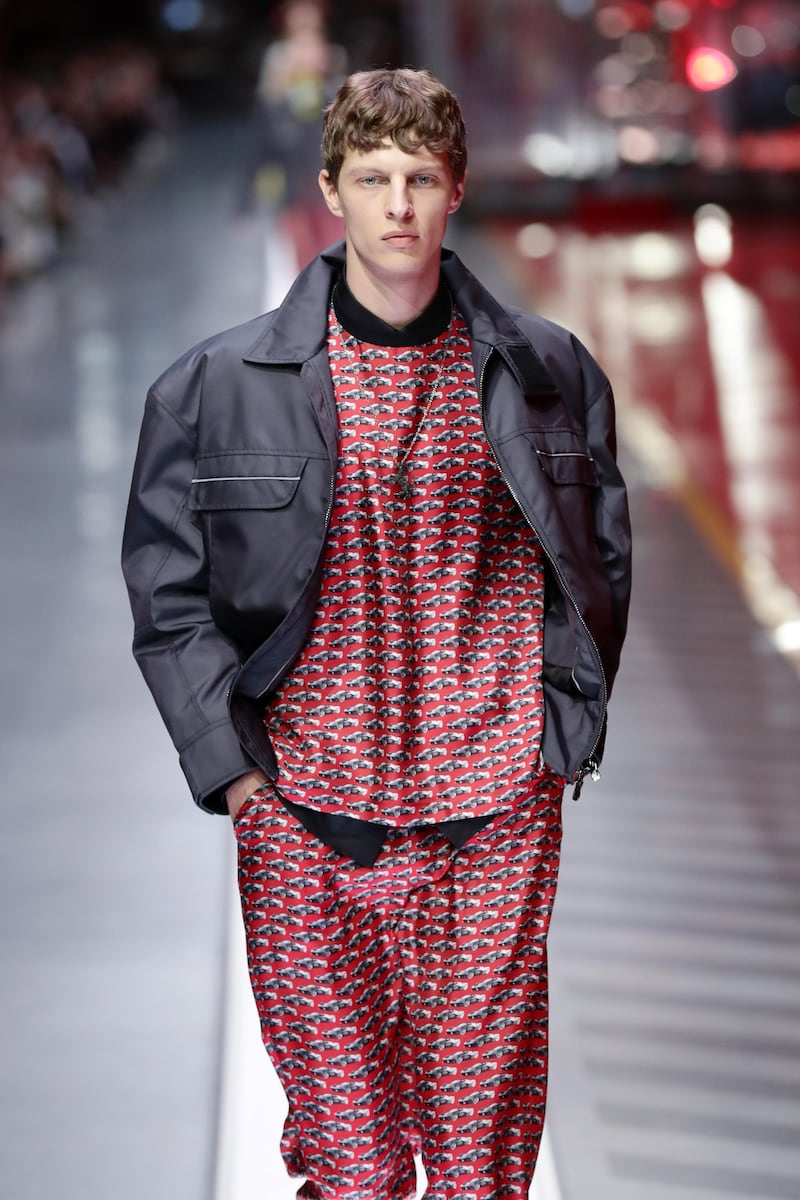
(395, 208)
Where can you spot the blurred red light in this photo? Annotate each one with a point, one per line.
(708, 69)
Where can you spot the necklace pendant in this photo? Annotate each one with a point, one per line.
(403, 482)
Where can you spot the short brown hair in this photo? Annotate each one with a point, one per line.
(410, 107)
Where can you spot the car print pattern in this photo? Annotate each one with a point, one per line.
(404, 1006)
(418, 695)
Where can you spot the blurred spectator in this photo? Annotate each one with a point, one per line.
(300, 72)
(63, 136)
(30, 204)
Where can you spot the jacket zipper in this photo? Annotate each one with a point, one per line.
(590, 765)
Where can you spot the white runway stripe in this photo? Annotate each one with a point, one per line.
(280, 266)
(252, 1104)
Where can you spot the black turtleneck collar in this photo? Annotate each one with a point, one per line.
(362, 324)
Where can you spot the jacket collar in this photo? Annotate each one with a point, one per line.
(298, 329)
(489, 322)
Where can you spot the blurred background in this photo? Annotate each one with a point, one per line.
(634, 175)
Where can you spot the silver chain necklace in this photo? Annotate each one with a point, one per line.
(400, 475)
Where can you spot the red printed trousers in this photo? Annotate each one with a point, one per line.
(404, 1006)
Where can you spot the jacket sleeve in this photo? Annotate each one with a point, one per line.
(187, 662)
(612, 520)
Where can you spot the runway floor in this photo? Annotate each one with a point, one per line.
(675, 949)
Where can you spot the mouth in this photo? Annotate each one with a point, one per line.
(400, 237)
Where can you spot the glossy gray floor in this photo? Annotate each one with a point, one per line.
(114, 889)
(675, 950)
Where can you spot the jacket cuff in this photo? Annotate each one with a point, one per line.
(211, 763)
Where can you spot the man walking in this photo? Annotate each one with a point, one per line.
(378, 555)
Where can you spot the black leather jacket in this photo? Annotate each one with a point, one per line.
(232, 491)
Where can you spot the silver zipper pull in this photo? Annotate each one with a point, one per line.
(589, 768)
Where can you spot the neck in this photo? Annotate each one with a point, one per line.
(398, 302)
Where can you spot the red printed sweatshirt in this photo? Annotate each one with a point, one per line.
(417, 697)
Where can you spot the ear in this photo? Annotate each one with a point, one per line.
(458, 195)
(330, 192)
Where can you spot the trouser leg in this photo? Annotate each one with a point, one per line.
(324, 967)
(476, 1006)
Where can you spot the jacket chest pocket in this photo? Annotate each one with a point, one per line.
(565, 457)
(245, 481)
(252, 512)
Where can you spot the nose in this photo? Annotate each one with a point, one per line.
(398, 200)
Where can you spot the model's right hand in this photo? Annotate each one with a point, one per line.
(241, 789)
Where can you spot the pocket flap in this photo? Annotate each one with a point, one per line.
(565, 457)
(245, 480)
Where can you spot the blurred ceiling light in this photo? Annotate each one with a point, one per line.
(615, 70)
(638, 48)
(716, 211)
(713, 236)
(748, 41)
(708, 69)
(613, 103)
(672, 14)
(612, 21)
(787, 636)
(548, 154)
(656, 256)
(637, 145)
(536, 241)
(182, 15)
